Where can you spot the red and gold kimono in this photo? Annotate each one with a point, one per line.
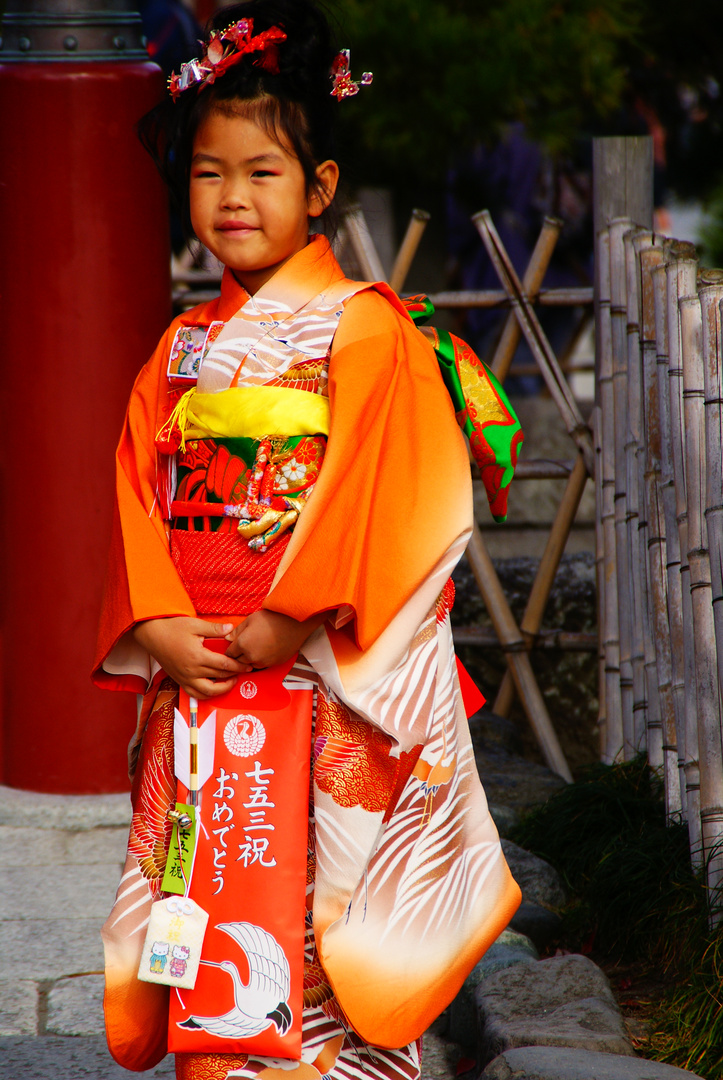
(407, 882)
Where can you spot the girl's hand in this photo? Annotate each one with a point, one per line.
(177, 645)
(266, 638)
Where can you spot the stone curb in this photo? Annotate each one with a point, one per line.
(510, 948)
(62, 1058)
(75, 812)
(565, 1001)
(553, 1063)
(537, 1019)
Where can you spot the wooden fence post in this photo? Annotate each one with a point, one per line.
(622, 188)
(622, 171)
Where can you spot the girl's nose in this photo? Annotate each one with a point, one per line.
(234, 197)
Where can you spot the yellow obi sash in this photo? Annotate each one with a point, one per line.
(250, 412)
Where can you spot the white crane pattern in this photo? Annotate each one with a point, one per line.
(264, 999)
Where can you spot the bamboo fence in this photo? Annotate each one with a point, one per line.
(658, 426)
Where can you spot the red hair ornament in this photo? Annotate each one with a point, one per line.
(343, 86)
(225, 48)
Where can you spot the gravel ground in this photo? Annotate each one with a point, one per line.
(53, 1058)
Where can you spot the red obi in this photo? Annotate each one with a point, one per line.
(221, 481)
(221, 575)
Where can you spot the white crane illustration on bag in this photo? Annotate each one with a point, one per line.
(263, 1000)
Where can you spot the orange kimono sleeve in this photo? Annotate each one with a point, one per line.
(394, 491)
(142, 582)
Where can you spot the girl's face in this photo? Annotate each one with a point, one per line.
(248, 197)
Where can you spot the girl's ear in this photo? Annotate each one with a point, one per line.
(327, 177)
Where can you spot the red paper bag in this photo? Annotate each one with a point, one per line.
(249, 869)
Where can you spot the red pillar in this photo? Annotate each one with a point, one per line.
(85, 294)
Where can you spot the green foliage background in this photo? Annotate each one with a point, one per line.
(712, 238)
(449, 74)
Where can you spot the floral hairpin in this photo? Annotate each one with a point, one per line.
(226, 48)
(343, 84)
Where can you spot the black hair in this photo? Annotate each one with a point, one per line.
(294, 107)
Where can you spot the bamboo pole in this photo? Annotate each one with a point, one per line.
(600, 581)
(650, 253)
(606, 480)
(408, 249)
(497, 298)
(706, 663)
(666, 492)
(545, 576)
(710, 292)
(619, 343)
(533, 369)
(708, 695)
(653, 741)
(517, 657)
(543, 469)
(550, 370)
(549, 640)
(633, 448)
(681, 281)
(531, 284)
(362, 244)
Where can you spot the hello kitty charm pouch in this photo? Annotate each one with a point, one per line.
(172, 950)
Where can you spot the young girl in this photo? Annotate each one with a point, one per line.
(350, 476)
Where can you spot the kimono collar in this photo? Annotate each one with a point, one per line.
(304, 276)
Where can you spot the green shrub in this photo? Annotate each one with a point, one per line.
(636, 900)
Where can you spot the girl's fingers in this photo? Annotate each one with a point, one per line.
(219, 667)
(225, 676)
(215, 629)
(207, 688)
(218, 661)
(234, 650)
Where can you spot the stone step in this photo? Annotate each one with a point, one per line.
(565, 1001)
(56, 1058)
(36, 810)
(45, 848)
(50, 948)
(554, 1063)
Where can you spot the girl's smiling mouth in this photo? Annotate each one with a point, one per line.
(236, 226)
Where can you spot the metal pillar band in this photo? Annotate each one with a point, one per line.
(71, 30)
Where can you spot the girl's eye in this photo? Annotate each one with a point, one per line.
(204, 175)
(262, 172)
